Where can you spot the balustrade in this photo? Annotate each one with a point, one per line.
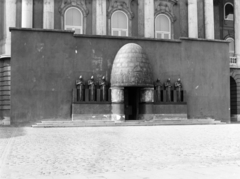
(233, 61)
(98, 98)
(162, 97)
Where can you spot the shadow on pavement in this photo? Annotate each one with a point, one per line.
(11, 131)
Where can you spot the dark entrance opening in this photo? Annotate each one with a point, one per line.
(131, 103)
(233, 98)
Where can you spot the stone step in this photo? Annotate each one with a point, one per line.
(75, 121)
(142, 117)
(91, 117)
(87, 123)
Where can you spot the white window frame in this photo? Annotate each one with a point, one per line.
(224, 10)
(163, 32)
(66, 27)
(120, 29)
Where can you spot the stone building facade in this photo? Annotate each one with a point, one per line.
(159, 21)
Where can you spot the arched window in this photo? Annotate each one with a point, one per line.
(119, 24)
(162, 27)
(73, 20)
(228, 11)
(231, 46)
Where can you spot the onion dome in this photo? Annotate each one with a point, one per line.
(131, 68)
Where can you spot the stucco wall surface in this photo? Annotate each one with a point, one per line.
(45, 65)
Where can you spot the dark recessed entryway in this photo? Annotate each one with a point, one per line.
(131, 103)
(233, 98)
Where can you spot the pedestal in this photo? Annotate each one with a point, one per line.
(117, 98)
(147, 95)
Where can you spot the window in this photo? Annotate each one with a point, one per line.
(231, 46)
(228, 11)
(73, 20)
(162, 27)
(119, 24)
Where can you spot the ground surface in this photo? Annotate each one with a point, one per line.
(147, 152)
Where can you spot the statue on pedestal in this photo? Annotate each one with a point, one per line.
(178, 87)
(158, 87)
(92, 87)
(103, 87)
(168, 87)
(80, 85)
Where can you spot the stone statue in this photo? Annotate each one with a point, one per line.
(103, 87)
(80, 85)
(168, 87)
(92, 87)
(158, 87)
(178, 88)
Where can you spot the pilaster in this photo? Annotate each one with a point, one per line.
(237, 30)
(192, 19)
(140, 18)
(48, 14)
(149, 18)
(101, 17)
(9, 21)
(27, 13)
(209, 19)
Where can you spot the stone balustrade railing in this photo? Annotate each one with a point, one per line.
(162, 96)
(98, 97)
(233, 61)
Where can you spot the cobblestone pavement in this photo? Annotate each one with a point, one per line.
(143, 152)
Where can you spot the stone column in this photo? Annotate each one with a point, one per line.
(9, 19)
(209, 19)
(117, 94)
(117, 97)
(237, 30)
(147, 95)
(48, 14)
(101, 17)
(27, 13)
(149, 18)
(192, 19)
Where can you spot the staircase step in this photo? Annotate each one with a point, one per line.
(75, 121)
(96, 123)
(91, 117)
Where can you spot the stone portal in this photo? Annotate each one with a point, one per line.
(132, 72)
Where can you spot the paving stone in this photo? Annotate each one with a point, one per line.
(199, 151)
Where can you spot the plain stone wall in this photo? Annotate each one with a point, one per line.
(45, 65)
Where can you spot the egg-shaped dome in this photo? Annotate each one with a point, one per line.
(131, 67)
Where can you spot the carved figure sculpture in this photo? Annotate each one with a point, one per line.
(103, 87)
(168, 87)
(92, 87)
(80, 85)
(158, 87)
(178, 87)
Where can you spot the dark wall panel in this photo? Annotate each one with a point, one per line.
(46, 64)
(38, 14)
(1, 19)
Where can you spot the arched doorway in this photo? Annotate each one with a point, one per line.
(233, 99)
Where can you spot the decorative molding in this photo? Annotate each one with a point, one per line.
(81, 4)
(165, 7)
(124, 5)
